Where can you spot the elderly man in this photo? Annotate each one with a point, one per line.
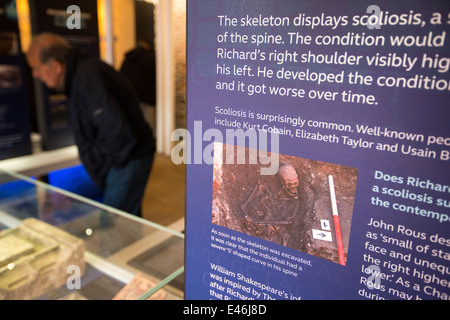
(115, 144)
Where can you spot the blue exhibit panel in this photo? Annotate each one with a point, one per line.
(350, 98)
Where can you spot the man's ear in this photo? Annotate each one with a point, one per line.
(58, 70)
(57, 66)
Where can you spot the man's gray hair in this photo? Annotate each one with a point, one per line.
(53, 47)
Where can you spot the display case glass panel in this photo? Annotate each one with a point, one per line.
(126, 257)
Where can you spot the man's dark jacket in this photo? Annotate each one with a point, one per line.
(105, 117)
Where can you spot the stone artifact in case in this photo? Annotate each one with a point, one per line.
(34, 259)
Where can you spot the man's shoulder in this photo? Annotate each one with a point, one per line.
(94, 69)
(90, 65)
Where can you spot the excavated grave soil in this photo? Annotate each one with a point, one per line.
(266, 214)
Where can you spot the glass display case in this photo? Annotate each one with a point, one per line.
(123, 256)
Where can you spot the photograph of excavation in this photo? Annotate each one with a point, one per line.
(307, 205)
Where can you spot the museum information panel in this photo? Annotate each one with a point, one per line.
(14, 112)
(317, 150)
